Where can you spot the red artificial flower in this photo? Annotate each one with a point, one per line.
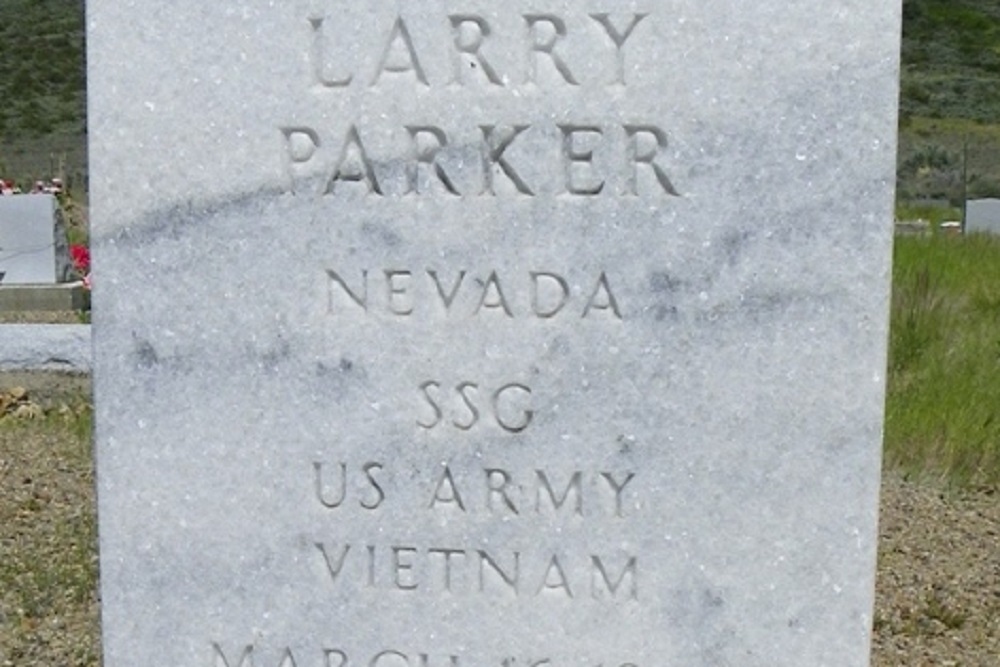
(80, 256)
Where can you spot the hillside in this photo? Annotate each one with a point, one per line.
(42, 88)
(951, 60)
(950, 100)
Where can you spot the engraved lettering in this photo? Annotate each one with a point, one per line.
(301, 144)
(334, 657)
(438, 414)
(457, 571)
(361, 299)
(246, 658)
(600, 573)
(526, 414)
(354, 165)
(504, 493)
(512, 662)
(398, 283)
(512, 580)
(369, 470)
(494, 147)
(654, 140)
(546, 309)
(446, 493)
(504, 404)
(394, 59)
(556, 501)
(465, 44)
(470, 32)
(618, 38)
(493, 489)
(448, 298)
(388, 654)
(325, 500)
(603, 298)
(544, 31)
(403, 569)
(335, 653)
(320, 79)
(447, 553)
(559, 582)
(467, 400)
(617, 488)
(336, 499)
(371, 566)
(333, 566)
(424, 660)
(542, 294)
(576, 160)
(544, 35)
(427, 142)
(434, 163)
(496, 300)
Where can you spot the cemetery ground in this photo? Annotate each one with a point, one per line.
(938, 599)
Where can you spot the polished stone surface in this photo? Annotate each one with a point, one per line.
(490, 335)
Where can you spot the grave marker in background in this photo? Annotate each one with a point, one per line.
(35, 267)
(982, 216)
(490, 336)
(33, 246)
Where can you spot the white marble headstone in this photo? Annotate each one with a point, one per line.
(982, 216)
(476, 334)
(33, 246)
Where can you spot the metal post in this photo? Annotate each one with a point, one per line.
(965, 181)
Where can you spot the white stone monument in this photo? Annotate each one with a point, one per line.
(33, 246)
(982, 216)
(522, 334)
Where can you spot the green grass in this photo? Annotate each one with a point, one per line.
(943, 403)
(935, 215)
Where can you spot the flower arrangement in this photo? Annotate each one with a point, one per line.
(79, 255)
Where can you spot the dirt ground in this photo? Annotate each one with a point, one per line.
(50, 389)
(938, 592)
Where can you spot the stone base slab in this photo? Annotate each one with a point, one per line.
(64, 296)
(45, 347)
